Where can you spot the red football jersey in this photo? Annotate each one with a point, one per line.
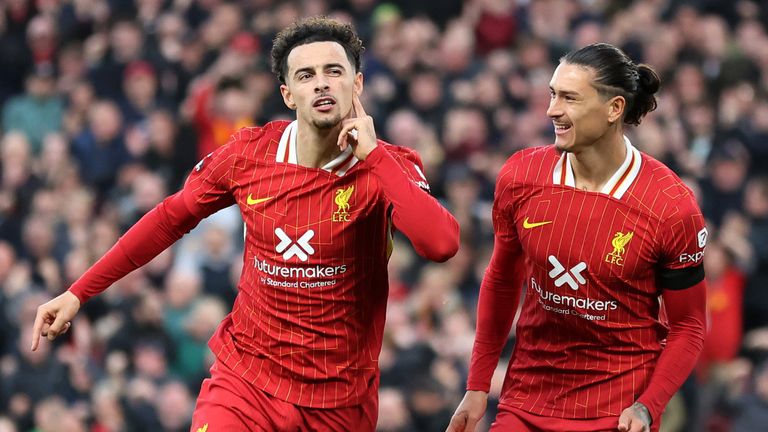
(590, 331)
(308, 321)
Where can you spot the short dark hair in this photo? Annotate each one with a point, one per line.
(314, 29)
(617, 75)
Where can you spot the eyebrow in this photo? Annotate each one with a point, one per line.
(325, 66)
(564, 92)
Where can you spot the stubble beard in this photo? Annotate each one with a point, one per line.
(325, 124)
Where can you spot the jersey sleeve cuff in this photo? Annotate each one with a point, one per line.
(80, 296)
(651, 409)
(479, 386)
(375, 156)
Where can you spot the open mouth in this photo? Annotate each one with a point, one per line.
(561, 128)
(324, 103)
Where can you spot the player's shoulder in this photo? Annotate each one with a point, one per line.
(258, 141)
(530, 165)
(400, 153)
(409, 160)
(660, 179)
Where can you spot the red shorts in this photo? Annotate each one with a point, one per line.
(227, 403)
(513, 419)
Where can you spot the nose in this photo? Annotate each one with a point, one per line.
(321, 84)
(554, 110)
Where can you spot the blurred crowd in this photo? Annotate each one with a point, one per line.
(107, 104)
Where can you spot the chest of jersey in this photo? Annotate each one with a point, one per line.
(299, 216)
(576, 236)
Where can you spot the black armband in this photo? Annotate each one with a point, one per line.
(679, 279)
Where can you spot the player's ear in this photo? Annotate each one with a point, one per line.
(287, 97)
(616, 106)
(359, 83)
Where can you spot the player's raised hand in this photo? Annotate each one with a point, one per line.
(635, 419)
(358, 131)
(54, 317)
(470, 411)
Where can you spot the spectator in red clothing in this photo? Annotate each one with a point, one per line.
(220, 103)
(495, 24)
(725, 288)
(219, 112)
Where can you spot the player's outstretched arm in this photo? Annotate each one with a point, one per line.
(152, 234)
(155, 232)
(54, 318)
(469, 413)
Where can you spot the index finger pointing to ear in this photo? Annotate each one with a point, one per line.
(358, 106)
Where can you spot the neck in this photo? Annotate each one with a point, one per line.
(316, 147)
(593, 166)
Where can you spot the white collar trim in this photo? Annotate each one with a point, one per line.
(286, 149)
(287, 153)
(619, 182)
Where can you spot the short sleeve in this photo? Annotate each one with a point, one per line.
(208, 187)
(683, 240)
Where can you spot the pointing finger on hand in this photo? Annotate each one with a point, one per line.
(358, 106)
(37, 330)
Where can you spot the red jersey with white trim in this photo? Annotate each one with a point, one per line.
(308, 321)
(590, 331)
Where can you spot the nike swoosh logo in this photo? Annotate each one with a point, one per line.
(252, 201)
(529, 225)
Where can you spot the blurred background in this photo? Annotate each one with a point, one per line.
(107, 104)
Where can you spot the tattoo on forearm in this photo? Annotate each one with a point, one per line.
(642, 412)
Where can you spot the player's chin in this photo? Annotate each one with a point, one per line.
(327, 122)
(562, 144)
